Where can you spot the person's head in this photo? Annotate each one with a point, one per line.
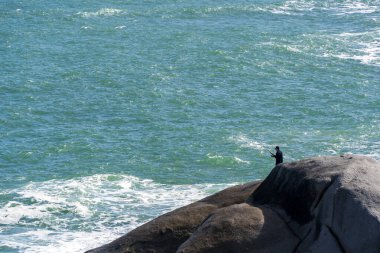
(277, 148)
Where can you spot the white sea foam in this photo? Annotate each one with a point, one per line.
(369, 57)
(375, 152)
(241, 160)
(52, 242)
(78, 214)
(101, 12)
(363, 47)
(226, 159)
(292, 7)
(246, 142)
(14, 211)
(363, 145)
(293, 49)
(355, 7)
(212, 156)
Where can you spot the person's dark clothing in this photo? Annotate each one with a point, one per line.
(278, 157)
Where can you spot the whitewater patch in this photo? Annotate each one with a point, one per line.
(82, 213)
(246, 142)
(220, 160)
(292, 7)
(101, 12)
(376, 150)
(287, 8)
(363, 47)
(120, 27)
(355, 7)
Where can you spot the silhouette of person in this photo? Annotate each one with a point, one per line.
(278, 155)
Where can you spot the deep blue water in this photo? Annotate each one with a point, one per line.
(113, 112)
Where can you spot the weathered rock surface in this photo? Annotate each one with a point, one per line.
(241, 228)
(327, 201)
(324, 204)
(167, 232)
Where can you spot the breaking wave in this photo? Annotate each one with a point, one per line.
(101, 12)
(82, 213)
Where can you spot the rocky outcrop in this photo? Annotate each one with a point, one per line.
(324, 204)
(167, 232)
(332, 204)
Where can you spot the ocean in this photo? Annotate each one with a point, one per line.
(115, 112)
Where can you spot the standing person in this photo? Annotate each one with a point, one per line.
(278, 155)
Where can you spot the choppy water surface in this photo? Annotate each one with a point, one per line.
(113, 112)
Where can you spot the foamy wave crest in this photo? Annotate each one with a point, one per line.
(363, 145)
(78, 214)
(356, 7)
(363, 47)
(224, 160)
(292, 7)
(375, 152)
(289, 7)
(101, 12)
(246, 142)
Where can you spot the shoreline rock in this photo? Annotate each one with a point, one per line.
(323, 204)
(168, 231)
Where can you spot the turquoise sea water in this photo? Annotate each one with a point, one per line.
(113, 112)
